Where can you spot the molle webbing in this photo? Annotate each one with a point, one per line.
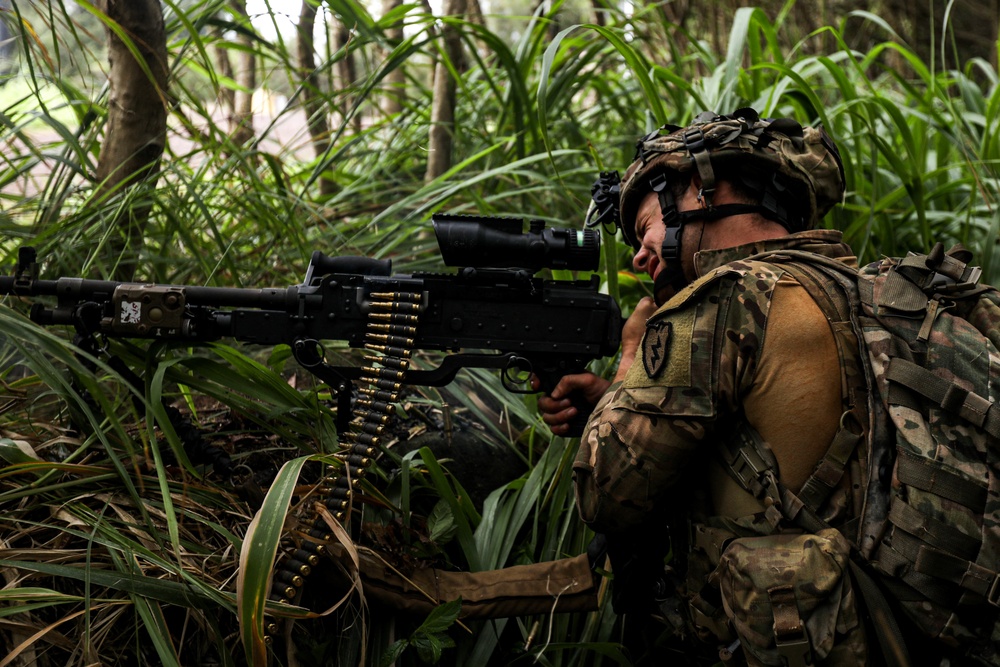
(933, 558)
(933, 532)
(948, 395)
(933, 327)
(918, 472)
(922, 587)
(970, 576)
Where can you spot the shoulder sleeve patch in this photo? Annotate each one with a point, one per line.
(655, 344)
(665, 351)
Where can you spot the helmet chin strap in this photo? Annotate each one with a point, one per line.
(671, 278)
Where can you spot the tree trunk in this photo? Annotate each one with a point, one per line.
(246, 81)
(7, 42)
(345, 71)
(312, 101)
(227, 96)
(600, 12)
(442, 129)
(395, 81)
(136, 130)
(474, 13)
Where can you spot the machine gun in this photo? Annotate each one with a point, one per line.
(492, 313)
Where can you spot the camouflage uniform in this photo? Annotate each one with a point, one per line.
(696, 381)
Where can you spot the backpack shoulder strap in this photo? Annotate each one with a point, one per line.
(833, 286)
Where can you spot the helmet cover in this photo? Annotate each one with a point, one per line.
(803, 161)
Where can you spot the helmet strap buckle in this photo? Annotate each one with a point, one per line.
(705, 198)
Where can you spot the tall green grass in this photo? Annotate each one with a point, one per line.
(112, 537)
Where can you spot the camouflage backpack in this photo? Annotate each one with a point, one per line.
(933, 339)
(929, 522)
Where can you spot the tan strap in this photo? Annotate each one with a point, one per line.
(565, 585)
(694, 141)
(934, 308)
(790, 636)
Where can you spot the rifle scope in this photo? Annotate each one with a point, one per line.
(481, 241)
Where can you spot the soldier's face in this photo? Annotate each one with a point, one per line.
(650, 231)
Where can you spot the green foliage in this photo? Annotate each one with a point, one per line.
(430, 638)
(110, 531)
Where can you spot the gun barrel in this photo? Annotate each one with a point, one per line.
(83, 289)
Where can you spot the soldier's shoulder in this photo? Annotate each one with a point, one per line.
(751, 278)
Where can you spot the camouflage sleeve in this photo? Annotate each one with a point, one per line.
(697, 357)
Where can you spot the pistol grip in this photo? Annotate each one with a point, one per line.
(549, 378)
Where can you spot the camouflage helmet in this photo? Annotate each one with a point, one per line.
(796, 171)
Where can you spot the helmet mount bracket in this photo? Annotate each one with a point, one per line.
(694, 142)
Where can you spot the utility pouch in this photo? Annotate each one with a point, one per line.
(790, 600)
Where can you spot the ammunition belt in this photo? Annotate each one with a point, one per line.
(392, 322)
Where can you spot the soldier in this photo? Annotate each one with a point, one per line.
(739, 369)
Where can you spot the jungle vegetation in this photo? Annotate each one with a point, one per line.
(343, 128)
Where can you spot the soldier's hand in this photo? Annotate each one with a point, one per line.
(557, 409)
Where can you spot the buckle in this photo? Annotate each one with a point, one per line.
(694, 140)
(749, 461)
(658, 183)
(993, 595)
(796, 652)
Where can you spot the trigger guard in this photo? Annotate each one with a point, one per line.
(509, 383)
(306, 357)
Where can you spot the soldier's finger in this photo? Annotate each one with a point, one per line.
(560, 418)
